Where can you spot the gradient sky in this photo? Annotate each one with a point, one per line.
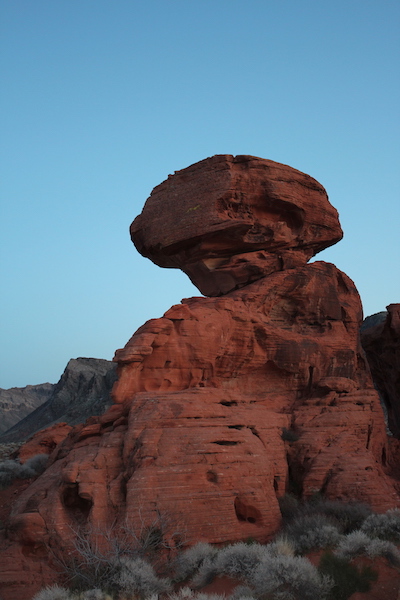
(101, 100)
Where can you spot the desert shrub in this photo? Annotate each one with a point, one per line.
(13, 469)
(346, 516)
(37, 463)
(189, 561)
(136, 576)
(385, 549)
(53, 592)
(186, 593)
(9, 470)
(352, 545)
(95, 594)
(310, 532)
(359, 544)
(347, 578)
(91, 566)
(384, 526)
(282, 545)
(289, 578)
(239, 560)
(242, 592)
(98, 554)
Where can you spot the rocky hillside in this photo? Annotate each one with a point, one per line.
(83, 391)
(17, 403)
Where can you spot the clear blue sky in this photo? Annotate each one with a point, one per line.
(101, 100)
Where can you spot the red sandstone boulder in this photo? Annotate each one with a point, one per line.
(225, 403)
(229, 220)
(44, 442)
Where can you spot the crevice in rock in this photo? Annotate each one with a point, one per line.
(369, 433)
(383, 457)
(327, 480)
(226, 443)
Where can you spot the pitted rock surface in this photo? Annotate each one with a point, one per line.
(225, 403)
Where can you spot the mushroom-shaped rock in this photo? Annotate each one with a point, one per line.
(229, 220)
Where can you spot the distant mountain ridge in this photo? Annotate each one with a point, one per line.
(16, 403)
(82, 391)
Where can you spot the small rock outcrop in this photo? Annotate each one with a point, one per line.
(82, 391)
(228, 402)
(380, 337)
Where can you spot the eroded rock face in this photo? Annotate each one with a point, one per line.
(225, 403)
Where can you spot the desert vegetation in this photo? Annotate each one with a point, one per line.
(132, 567)
(11, 469)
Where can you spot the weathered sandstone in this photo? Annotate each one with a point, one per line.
(229, 220)
(225, 403)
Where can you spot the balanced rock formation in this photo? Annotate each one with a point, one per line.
(227, 221)
(225, 403)
(83, 391)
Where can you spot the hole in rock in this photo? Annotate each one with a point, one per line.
(239, 427)
(225, 443)
(212, 476)
(74, 502)
(246, 512)
(228, 402)
(384, 457)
